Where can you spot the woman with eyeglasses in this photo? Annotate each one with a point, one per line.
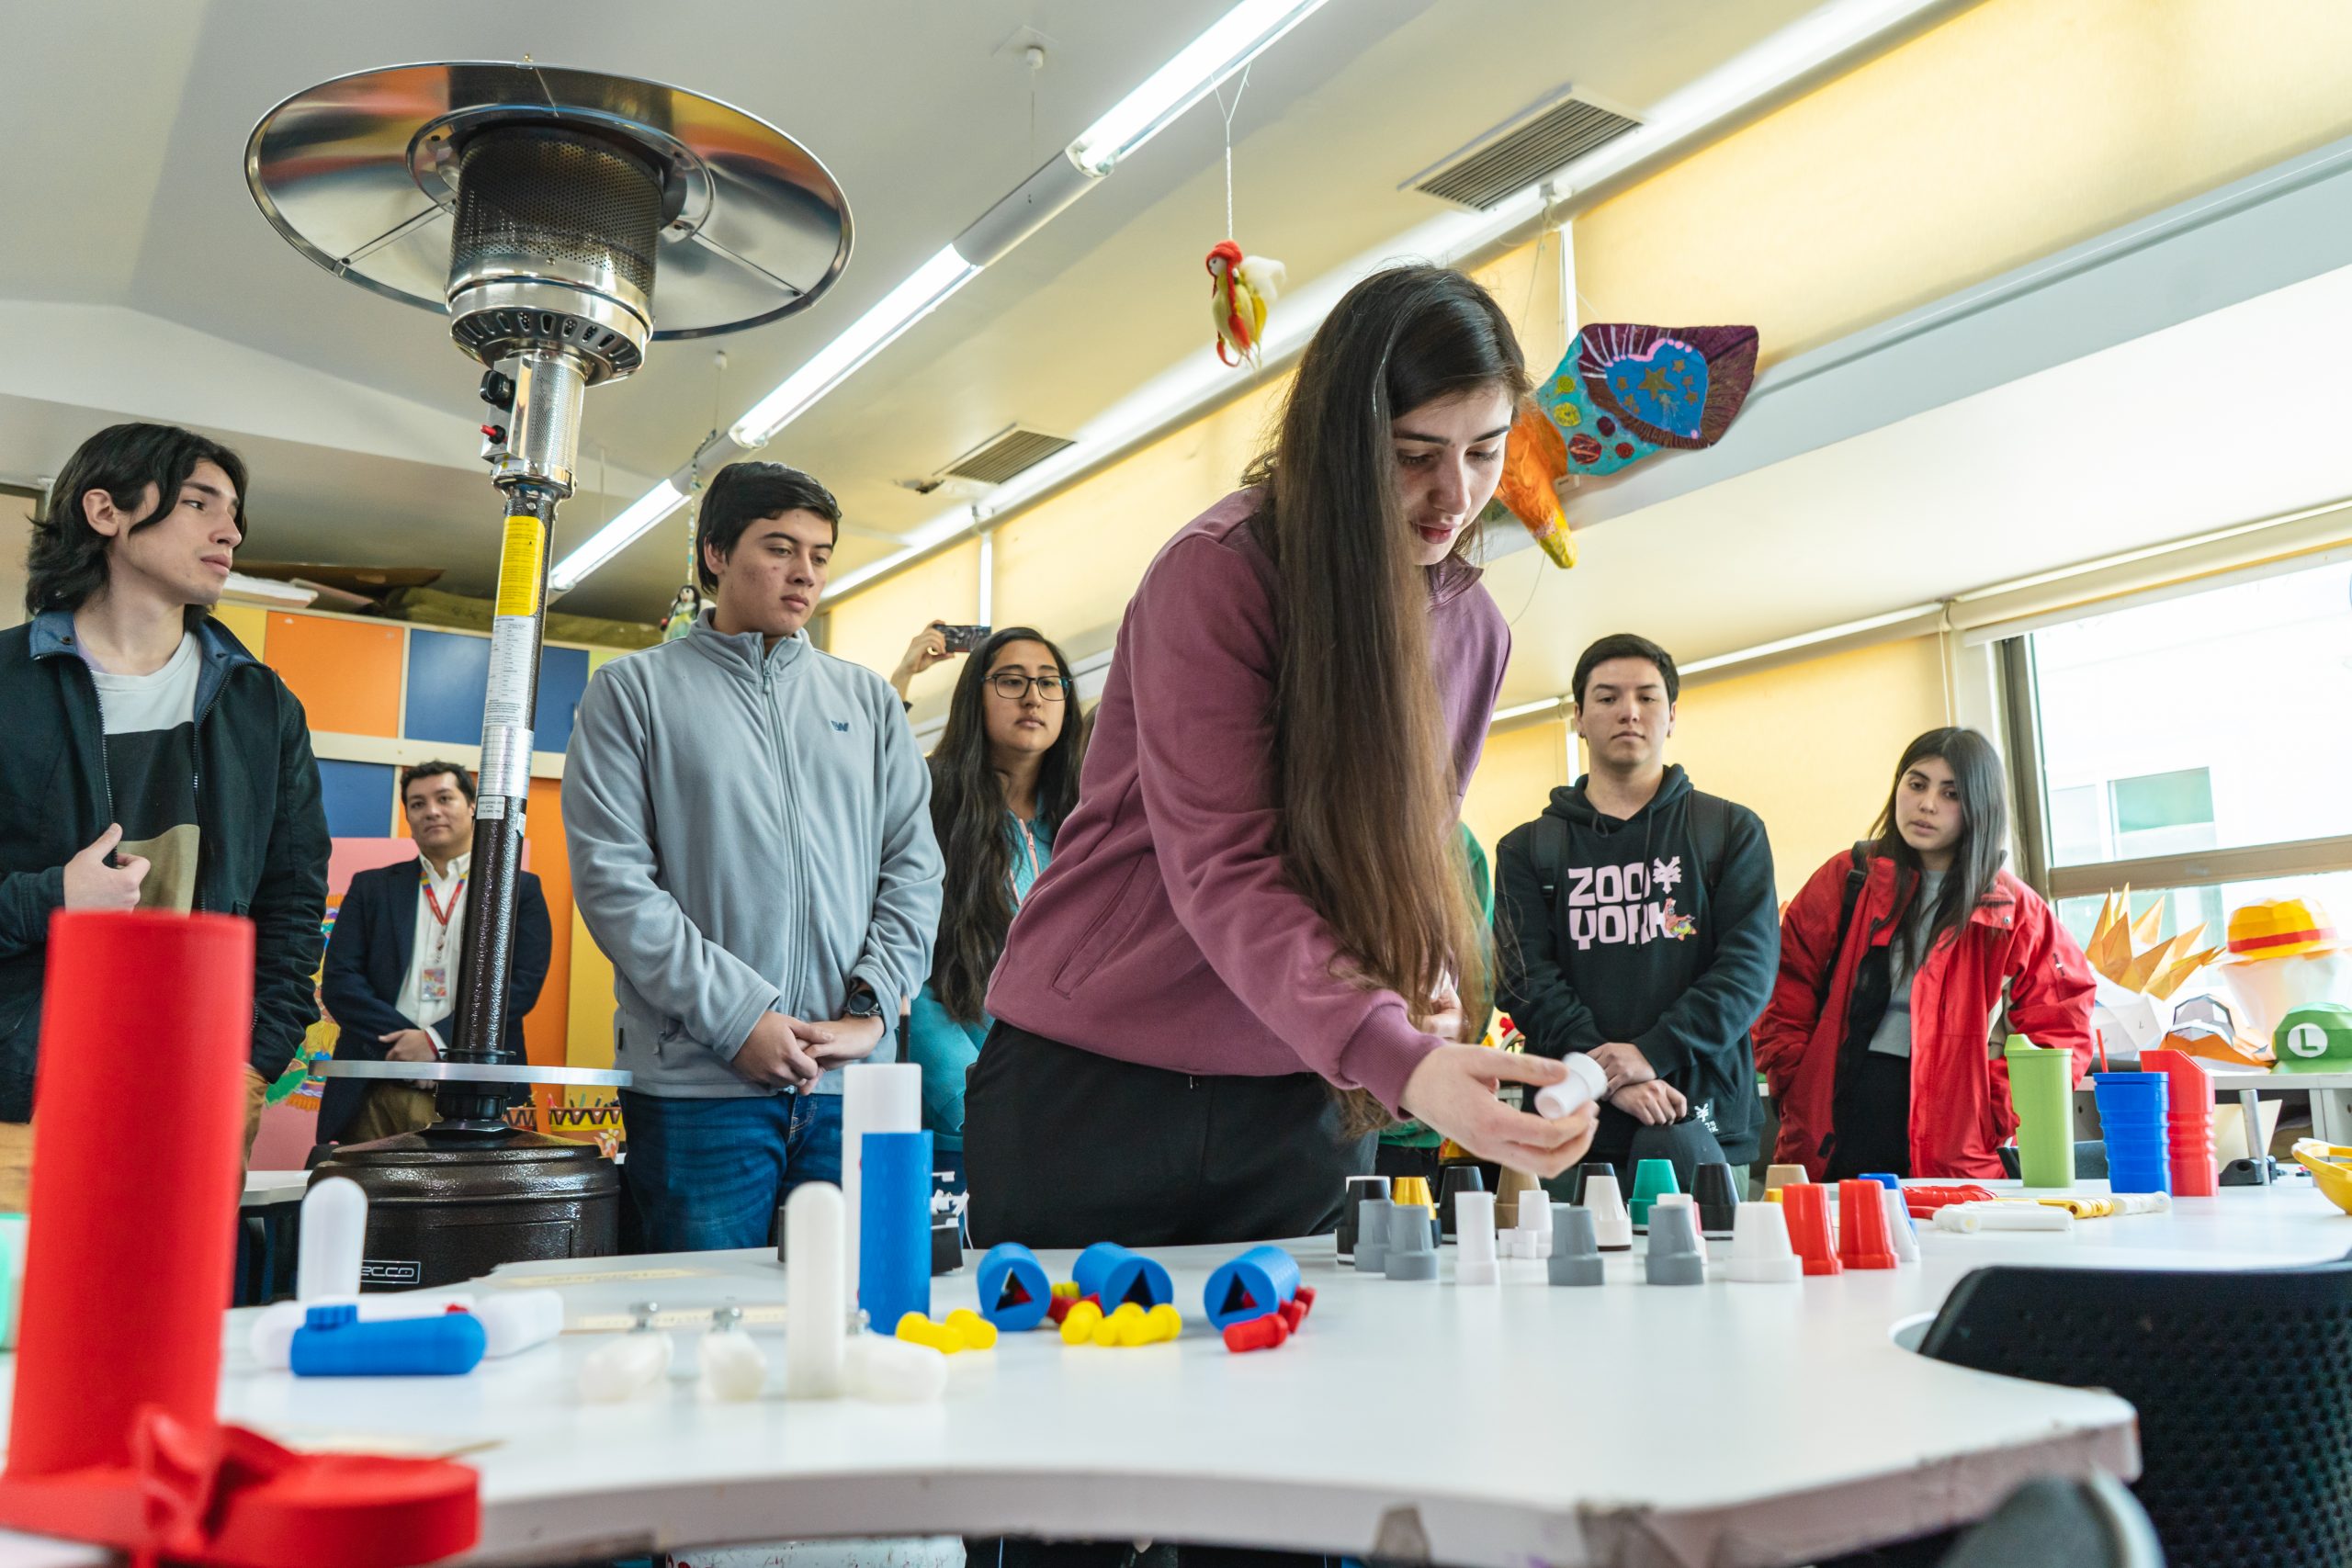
(1003, 776)
(1254, 944)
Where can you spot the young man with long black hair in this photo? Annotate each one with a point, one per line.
(751, 840)
(150, 761)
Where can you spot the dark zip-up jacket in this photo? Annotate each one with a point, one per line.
(262, 846)
(1642, 945)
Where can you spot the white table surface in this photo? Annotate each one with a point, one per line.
(268, 1188)
(1508, 1426)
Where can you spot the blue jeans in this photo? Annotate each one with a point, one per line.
(708, 1174)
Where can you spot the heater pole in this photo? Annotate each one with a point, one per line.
(535, 474)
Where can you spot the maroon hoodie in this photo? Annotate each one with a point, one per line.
(1164, 931)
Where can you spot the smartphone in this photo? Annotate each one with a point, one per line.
(963, 639)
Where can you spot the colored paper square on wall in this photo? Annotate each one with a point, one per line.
(346, 673)
(448, 677)
(358, 798)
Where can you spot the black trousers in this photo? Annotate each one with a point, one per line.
(1064, 1148)
(1874, 1124)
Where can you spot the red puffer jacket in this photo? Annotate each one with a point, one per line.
(1960, 1093)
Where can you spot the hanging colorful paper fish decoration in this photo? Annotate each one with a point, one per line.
(1533, 460)
(1623, 392)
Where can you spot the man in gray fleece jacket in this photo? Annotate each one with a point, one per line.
(750, 827)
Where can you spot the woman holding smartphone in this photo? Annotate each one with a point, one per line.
(1003, 779)
(1245, 957)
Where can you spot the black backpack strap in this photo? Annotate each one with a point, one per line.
(1710, 837)
(1551, 858)
(1857, 874)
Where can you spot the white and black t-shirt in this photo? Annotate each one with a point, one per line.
(151, 772)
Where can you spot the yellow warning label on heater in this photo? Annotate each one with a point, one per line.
(518, 566)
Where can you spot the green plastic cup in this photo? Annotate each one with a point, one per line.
(2041, 1087)
(1653, 1179)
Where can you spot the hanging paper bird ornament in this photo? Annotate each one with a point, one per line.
(1533, 460)
(1240, 288)
(1623, 392)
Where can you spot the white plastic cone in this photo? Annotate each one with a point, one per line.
(1611, 1225)
(1898, 1227)
(1760, 1252)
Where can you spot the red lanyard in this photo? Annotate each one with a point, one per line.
(434, 904)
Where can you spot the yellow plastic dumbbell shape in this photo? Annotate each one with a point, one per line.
(917, 1329)
(1165, 1323)
(975, 1332)
(1078, 1328)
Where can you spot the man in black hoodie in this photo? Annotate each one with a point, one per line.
(1636, 918)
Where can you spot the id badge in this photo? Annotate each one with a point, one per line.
(435, 987)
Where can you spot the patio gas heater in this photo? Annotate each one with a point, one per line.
(535, 206)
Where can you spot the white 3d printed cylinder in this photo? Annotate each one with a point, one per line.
(1585, 1083)
(876, 1097)
(816, 1292)
(335, 1233)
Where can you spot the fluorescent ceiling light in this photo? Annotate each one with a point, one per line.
(1232, 41)
(924, 291)
(1545, 705)
(616, 535)
(1807, 639)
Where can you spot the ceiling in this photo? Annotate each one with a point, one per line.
(157, 291)
(2223, 419)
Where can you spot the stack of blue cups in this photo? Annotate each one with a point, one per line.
(2131, 1111)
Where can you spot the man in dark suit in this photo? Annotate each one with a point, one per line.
(391, 970)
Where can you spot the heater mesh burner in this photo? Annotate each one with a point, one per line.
(528, 192)
(492, 335)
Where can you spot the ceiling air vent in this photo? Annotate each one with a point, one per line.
(1004, 454)
(1521, 150)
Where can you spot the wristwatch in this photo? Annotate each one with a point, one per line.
(863, 1002)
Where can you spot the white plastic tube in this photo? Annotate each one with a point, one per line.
(1473, 1235)
(515, 1321)
(272, 1339)
(335, 1236)
(1586, 1082)
(816, 1292)
(876, 1097)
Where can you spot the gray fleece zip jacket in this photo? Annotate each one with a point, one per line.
(748, 834)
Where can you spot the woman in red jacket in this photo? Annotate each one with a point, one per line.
(1880, 1044)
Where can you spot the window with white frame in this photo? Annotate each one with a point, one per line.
(2199, 749)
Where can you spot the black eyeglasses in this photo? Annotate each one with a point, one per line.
(1012, 687)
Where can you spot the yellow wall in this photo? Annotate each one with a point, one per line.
(1068, 564)
(2017, 129)
(249, 624)
(1516, 776)
(874, 627)
(1848, 716)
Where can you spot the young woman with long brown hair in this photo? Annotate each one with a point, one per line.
(1003, 779)
(1245, 952)
(1896, 959)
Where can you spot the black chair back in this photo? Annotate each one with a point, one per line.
(2243, 1381)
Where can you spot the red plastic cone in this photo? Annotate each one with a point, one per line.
(1806, 1206)
(1863, 1241)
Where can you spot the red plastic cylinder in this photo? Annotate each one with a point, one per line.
(1862, 1240)
(1807, 1208)
(138, 1133)
(2188, 1126)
